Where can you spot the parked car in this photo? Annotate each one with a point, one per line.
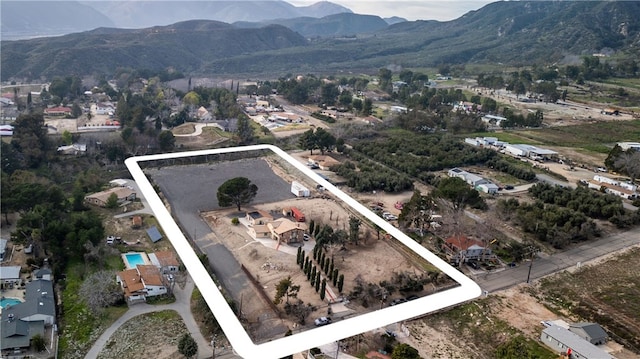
(111, 239)
(412, 297)
(306, 237)
(508, 187)
(397, 301)
(473, 264)
(322, 321)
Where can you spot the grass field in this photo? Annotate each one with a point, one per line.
(606, 293)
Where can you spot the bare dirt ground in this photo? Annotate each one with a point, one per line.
(373, 259)
(563, 113)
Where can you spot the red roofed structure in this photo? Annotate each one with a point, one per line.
(57, 111)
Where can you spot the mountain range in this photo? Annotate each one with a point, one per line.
(514, 32)
(28, 19)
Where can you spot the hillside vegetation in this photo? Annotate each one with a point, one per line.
(515, 33)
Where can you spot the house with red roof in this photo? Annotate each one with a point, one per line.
(464, 249)
(59, 111)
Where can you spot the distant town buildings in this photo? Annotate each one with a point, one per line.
(516, 150)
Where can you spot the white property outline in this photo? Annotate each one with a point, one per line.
(238, 337)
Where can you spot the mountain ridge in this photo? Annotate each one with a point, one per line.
(517, 33)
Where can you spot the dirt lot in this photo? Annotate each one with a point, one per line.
(373, 259)
(562, 113)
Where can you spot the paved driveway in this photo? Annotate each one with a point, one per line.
(192, 189)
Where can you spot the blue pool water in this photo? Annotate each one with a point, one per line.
(4, 302)
(134, 259)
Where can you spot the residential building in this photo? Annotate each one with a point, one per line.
(257, 217)
(166, 261)
(104, 108)
(616, 190)
(21, 322)
(470, 178)
(43, 273)
(629, 146)
(73, 149)
(100, 198)
(286, 231)
(464, 249)
(59, 111)
(10, 275)
(141, 282)
(562, 340)
(489, 188)
(492, 120)
(591, 332)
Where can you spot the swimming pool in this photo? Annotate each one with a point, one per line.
(4, 302)
(132, 260)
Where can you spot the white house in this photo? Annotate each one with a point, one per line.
(629, 145)
(141, 282)
(9, 274)
(489, 188)
(562, 340)
(624, 190)
(166, 261)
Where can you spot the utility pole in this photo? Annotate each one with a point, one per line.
(533, 252)
(213, 347)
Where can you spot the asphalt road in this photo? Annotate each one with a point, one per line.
(544, 265)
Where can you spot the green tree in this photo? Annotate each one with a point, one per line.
(67, 137)
(244, 131)
(192, 98)
(384, 76)
(112, 201)
(325, 140)
(328, 94)
(237, 191)
(285, 288)
(405, 351)
(166, 140)
(307, 141)
(489, 104)
(367, 107)
(459, 193)
(629, 162)
(30, 138)
(38, 343)
(187, 346)
(354, 228)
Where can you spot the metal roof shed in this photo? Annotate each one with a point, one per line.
(154, 234)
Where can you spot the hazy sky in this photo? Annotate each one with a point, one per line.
(442, 10)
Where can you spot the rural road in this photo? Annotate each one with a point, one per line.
(544, 265)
